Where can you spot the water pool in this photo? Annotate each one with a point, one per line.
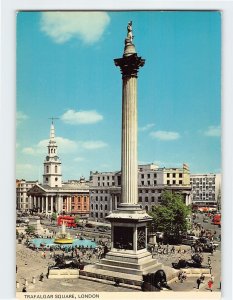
(50, 243)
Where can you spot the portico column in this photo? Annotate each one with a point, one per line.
(51, 204)
(110, 203)
(46, 205)
(115, 198)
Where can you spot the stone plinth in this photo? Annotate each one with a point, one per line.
(63, 273)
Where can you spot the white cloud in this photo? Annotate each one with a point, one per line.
(146, 127)
(20, 117)
(63, 26)
(90, 145)
(64, 146)
(165, 135)
(213, 131)
(81, 117)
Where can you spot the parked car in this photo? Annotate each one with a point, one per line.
(189, 240)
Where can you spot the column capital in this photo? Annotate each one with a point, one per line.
(129, 65)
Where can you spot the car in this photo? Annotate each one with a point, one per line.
(205, 220)
(89, 225)
(190, 240)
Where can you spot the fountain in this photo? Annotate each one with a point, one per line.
(62, 236)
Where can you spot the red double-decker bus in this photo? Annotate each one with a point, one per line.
(217, 219)
(68, 220)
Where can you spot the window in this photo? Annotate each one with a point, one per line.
(106, 198)
(173, 182)
(180, 175)
(107, 177)
(103, 183)
(79, 199)
(92, 206)
(142, 175)
(47, 169)
(174, 175)
(106, 207)
(180, 181)
(98, 178)
(146, 199)
(142, 182)
(85, 199)
(46, 179)
(168, 174)
(85, 207)
(153, 199)
(155, 182)
(148, 175)
(148, 182)
(168, 181)
(56, 178)
(96, 206)
(155, 175)
(55, 169)
(140, 199)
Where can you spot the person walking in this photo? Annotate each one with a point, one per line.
(210, 285)
(198, 283)
(24, 290)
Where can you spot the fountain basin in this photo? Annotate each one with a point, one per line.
(46, 242)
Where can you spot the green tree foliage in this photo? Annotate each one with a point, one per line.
(171, 215)
(30, 229)
(54, 216)
(77, 219)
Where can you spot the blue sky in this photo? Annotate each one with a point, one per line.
(65, 69)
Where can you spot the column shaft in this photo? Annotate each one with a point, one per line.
(129, 181)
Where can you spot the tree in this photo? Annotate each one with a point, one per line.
(77, 219)
(54, 216)
(171, 215)
(30, 229)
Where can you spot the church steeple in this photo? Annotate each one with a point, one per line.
(52, 164)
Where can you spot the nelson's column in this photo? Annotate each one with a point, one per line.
(128, 254)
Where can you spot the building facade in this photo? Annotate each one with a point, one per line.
(206, 188)
(53, 195)
(105, 189)
(22, 199)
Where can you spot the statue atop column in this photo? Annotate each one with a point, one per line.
(129, 46)
(129, 33)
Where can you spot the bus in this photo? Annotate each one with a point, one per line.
(217, 219)
(68, 220)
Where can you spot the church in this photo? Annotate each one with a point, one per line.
(54, 195)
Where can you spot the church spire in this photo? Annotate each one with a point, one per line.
(52, 164)
(52, 132)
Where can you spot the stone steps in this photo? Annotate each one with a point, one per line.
(143, 263)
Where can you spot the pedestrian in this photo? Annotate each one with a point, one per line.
(202, 278)
(24, 290)
(198, 283)
(210, 285)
